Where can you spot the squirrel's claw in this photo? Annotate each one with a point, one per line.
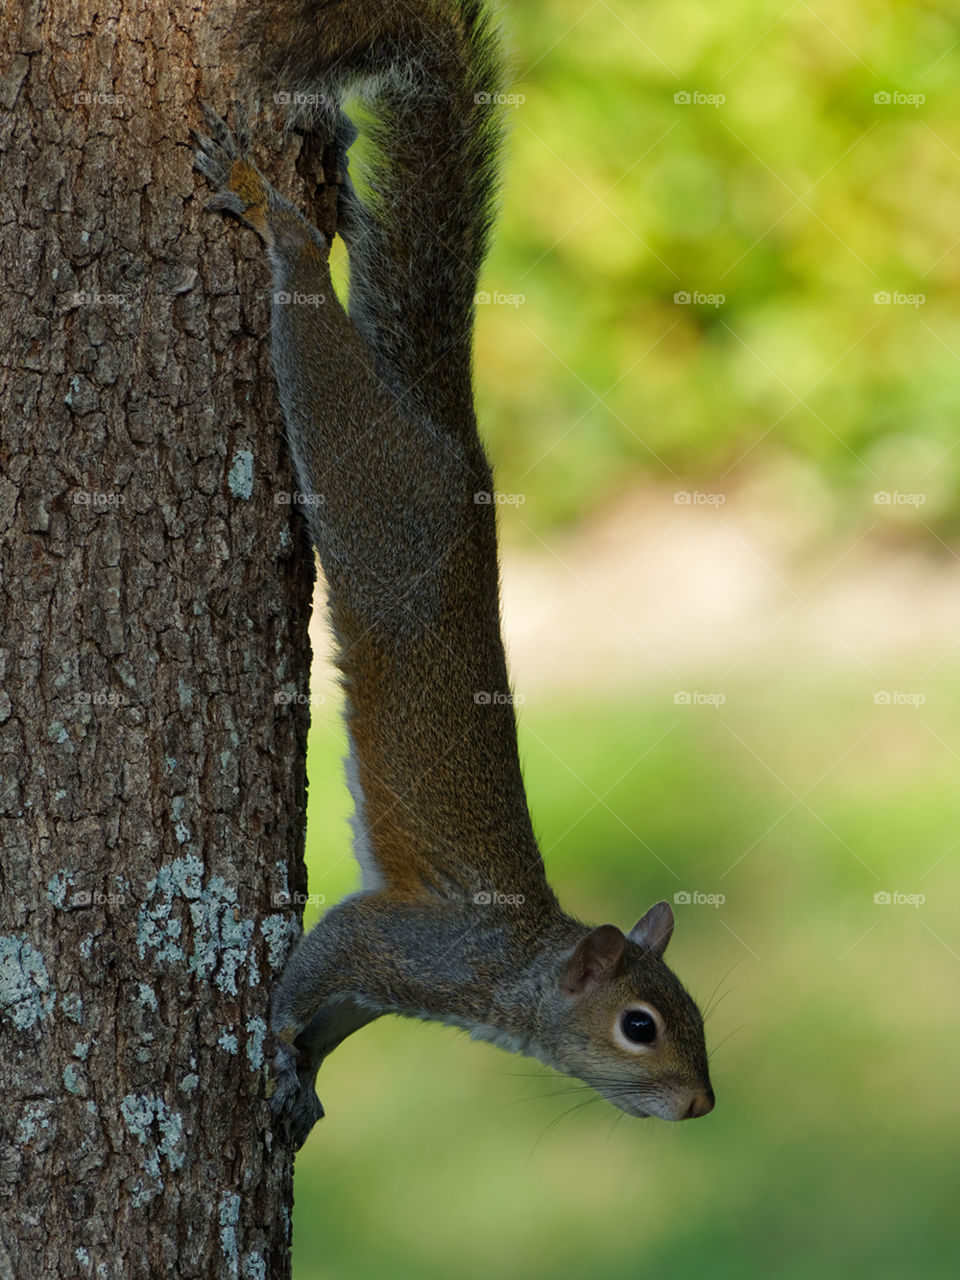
(224, 161)
(226, 202)
(221, 130)
(293, 1100)
(214, 154)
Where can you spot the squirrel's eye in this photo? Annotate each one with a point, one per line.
(639, 1026)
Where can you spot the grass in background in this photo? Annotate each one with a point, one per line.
(832, 1148)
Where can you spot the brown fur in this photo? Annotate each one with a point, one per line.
(457, 921)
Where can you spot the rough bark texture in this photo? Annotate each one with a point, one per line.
(153, 660)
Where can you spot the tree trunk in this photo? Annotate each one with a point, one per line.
(153, 657)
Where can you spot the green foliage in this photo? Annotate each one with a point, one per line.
(798, 198)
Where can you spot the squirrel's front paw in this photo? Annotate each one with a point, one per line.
(224, 161)
(294, 1099)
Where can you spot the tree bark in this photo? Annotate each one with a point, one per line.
(153, 665)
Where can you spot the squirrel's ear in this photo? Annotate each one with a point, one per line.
(597, 956)
(653, 931)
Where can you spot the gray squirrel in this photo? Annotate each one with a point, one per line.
(455, 921)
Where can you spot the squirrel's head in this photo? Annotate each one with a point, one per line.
(636, 1035)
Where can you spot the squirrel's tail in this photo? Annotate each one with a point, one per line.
(428, 75)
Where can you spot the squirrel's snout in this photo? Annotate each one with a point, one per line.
(702, 1103)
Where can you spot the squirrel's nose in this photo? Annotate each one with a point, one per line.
(701, 1104)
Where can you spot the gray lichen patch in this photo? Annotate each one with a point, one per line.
(254, 1266)
(256, 1031)
(72, 1006)
(240, 476)
(280, 933)
(222, 950)
(36, 1119)
(158, 1130)
(228, 1041)
(147, 997)
(25, 990)
(74, 1081)
(229, 1215)
(57, 887)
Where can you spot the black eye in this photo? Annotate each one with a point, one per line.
(639, 1026)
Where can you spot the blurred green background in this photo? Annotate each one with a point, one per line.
(814, 785)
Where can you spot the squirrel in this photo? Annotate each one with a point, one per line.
(455, 921)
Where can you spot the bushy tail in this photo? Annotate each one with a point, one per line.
(428, 75)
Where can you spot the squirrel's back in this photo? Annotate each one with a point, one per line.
(388, 437)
